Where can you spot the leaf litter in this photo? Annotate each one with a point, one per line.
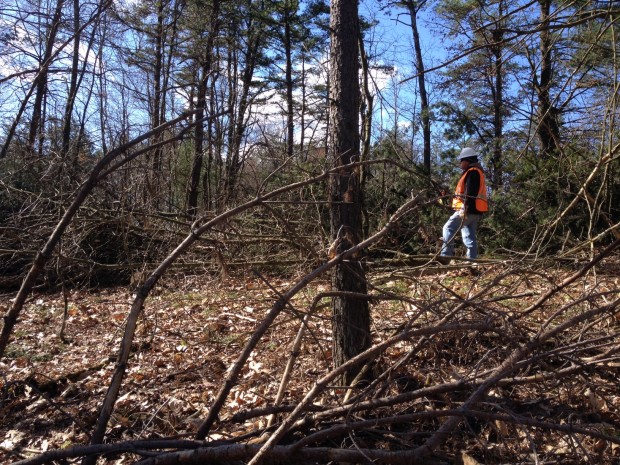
(538, 411)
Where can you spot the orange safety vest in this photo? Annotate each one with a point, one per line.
(482, 205)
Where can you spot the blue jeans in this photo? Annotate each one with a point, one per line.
(467, 226)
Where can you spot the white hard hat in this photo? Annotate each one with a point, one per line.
(466, 153)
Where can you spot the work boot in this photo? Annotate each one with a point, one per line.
(474, 270)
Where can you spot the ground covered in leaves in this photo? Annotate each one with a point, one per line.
(523, 357)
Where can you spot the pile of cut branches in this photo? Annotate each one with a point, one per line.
(516, 363)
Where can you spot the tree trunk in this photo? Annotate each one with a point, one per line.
(425, 112)
(194, 177)
(153, 178)
(302, 115)
(73, 86)
(288, 49)
(366, 109)
(243, 101)
(498, 111)
(548, 127)
(351, 315)
(211, 178)
(37, 122)
(199, 134)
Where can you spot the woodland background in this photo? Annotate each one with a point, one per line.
(182, 148)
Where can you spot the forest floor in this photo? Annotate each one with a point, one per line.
(193, 329)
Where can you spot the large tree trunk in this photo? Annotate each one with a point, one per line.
(351, 315)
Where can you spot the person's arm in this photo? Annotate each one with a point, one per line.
(472, 186)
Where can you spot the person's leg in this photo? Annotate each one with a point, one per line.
(450, 230)
(468, 231)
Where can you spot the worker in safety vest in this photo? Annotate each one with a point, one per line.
(469, 203)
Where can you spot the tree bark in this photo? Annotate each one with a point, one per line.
(153, 178)
(288, 49)
(37, 122)
(498, 110)
(194, 180)
(548, 127)
(73, 86)
(351, 316)
(240, 102)
(425, 113)
(366, 109)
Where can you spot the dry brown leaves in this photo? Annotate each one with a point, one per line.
(555, 402)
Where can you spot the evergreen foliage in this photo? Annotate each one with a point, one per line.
(255, 73)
